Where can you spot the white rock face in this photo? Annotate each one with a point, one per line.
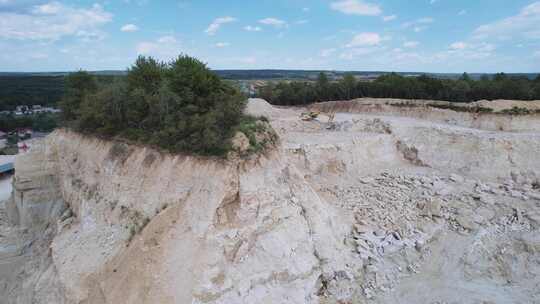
(178, 229)
(364, 210)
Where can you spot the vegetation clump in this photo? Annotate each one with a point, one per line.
(180, 106)
(462, 108)
(519, 111)
(259, 133)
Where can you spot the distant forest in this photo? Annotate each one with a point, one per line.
(463, 89)
(48, 88)
(30, 90)
(21, 89)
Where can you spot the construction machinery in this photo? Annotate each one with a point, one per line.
(310, 116)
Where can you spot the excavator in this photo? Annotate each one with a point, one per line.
(310, 116)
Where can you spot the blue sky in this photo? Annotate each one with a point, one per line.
(389, 35)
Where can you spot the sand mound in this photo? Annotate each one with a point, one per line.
(260, 107)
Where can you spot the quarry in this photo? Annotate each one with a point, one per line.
(393, 201)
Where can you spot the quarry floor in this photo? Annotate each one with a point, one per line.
(432, 225)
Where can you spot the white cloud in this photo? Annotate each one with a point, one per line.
(419, 25)
(425, 20)
(389, 18)
(222, 44)
(250, 28)
(53, 21)
(458, 45)
(327, 52)
(15, 5)
(525, 25)
(145, 48)
(411, 44)
(248, 60)
(39, 56)
(302, 21)
(163, 48)
(365, 39)
(484, 47)
(217, 23)
(273, 22)
(47, 8)
(137, 2)
(536, 54)
(129, 28)
(462, 12)
(167, 39)
(356, 7)
(467, 51)
(350, 54)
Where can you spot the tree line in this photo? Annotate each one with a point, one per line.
(180, 106)
(43, 122)
(30, 90)
(464, 89)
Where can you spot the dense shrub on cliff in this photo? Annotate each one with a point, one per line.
(180, 106)
(393, 85)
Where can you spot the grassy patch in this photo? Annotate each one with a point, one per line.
(519, 111)
(136, 222)
(259, 132)
(457, 108)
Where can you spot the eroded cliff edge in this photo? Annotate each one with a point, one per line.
(367, 209)
(139, 226)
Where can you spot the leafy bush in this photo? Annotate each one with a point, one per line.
(259, 132)
(462, 108)
(517, 111)
(180, 106)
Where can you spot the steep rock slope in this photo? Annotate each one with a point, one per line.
(145, 227)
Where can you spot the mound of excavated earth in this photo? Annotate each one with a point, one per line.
(386, 204)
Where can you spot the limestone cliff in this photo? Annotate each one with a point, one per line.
(147, 227)
(361, 210)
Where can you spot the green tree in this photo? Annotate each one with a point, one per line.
(537, 91)
(181, 106)
(465, 77)
(460, 91)
(322, 86)
(348, 84)
(78, 86)
(146, 74)
(500, 77)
